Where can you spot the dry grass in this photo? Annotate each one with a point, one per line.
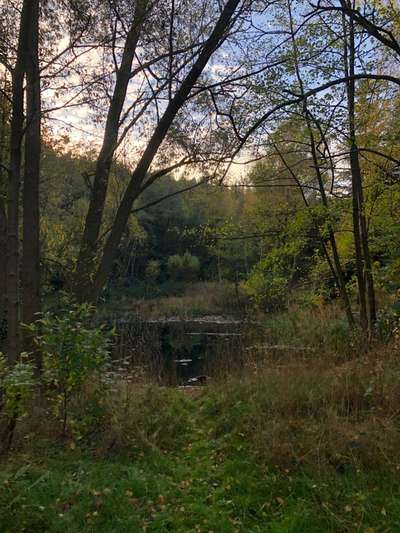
(198, 299)
(294, 410)
(315, 411)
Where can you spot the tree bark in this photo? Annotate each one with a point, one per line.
(134, 187)
(14, 183)
(31, 216)
(3, 264)
(363, 259)
(3, 213)
(89, 244)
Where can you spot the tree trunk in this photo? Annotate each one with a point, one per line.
(16, 134)
(340, 280)
(363, 258)
(89, 245)
(3, 213)
(31, 219)
(3, 264)
(135, 185)
(336, 267)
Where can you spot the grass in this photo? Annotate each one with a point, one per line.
(185, 300)
(199, 489)
(303, 447)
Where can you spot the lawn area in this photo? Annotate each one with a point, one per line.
(210, 480)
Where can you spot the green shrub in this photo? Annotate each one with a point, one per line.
(17, 384)
(75, 354)
(184, 267)
(266, 289)
(388, 322)
(153, 269)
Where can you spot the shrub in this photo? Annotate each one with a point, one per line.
(17, 384)
(388, 322)
(152, 270)
(74, 352)
(184, 267)
(266, 289)
(174, 266)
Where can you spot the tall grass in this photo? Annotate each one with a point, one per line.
(185, 300)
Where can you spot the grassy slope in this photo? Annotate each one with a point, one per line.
(208, 480)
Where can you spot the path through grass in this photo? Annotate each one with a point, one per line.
(210, 482)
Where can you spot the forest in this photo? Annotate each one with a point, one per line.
(199, 266)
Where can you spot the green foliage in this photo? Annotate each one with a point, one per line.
(75, 354)
(388, 322)
(267, 290)
(266, 285)
(184, 267)
(17, 385)
(153, 270)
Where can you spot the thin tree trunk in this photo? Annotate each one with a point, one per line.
(89, 245)
(17, 124)
(315, 224)
(332, 238)
(337, 269)
(134, 187)
(31, 217)
(3, 264)
(3, 212)
(363, 259)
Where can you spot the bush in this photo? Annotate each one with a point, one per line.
(388, 322)
(152, 270)
(266, 289)
(184, 267)
(75, 353)
(17, 384)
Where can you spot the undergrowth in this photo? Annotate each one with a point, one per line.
(308, 446)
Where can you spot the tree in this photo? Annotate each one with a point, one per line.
(31, 220)
(363, 259)
(14, 183)
(139, 179)
(99, 186)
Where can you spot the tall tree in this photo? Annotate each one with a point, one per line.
(138, 180)
(30, 274)
(14, 184)
(335, 265)
(99, 187)
(4, 119)
(363, 258)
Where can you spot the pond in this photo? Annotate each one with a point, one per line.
(176, 351)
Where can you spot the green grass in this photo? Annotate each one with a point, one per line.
(208, 481)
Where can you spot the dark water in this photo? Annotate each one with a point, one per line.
(183, 352)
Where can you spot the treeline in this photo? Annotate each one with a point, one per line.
(258, 233)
